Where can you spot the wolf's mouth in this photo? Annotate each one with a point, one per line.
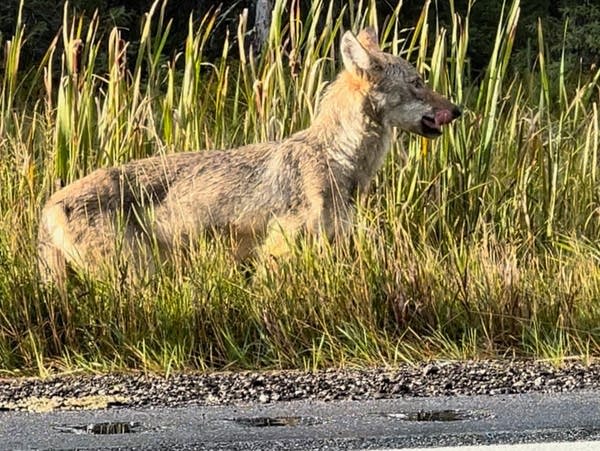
(431, 124)
(430, 127)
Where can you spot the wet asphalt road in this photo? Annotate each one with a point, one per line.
(364, 424)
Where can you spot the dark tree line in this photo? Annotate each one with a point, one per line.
(43, 20)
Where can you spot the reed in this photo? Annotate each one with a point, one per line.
(482, 243)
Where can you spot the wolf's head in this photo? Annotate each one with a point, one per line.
(396, 92)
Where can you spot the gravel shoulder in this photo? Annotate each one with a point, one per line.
(229, 388)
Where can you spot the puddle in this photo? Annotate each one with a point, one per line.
(261, 422)
(439, 415)
(105, 428)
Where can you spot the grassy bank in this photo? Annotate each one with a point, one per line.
(481, 243)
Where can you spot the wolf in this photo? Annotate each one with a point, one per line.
(260, 197)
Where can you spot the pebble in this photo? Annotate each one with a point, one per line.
(448, 378)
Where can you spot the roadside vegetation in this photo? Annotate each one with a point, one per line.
(483, 243)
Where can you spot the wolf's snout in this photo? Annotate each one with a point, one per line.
(456, 112)
(443, 117)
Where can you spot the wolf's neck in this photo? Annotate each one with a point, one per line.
(353, 136)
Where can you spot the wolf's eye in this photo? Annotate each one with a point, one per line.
(417, 83)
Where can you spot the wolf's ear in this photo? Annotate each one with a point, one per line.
(356, 57)
(369, 40)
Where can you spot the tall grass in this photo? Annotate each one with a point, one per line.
(479, 244)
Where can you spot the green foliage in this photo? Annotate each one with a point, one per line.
(578, 37)
(42, 19)
(482, 242)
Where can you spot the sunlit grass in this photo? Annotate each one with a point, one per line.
(482, 243)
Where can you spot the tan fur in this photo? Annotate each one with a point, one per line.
(258, 196)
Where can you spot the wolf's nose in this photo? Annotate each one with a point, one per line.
(456, 112)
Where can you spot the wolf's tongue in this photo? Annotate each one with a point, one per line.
(443, 117)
